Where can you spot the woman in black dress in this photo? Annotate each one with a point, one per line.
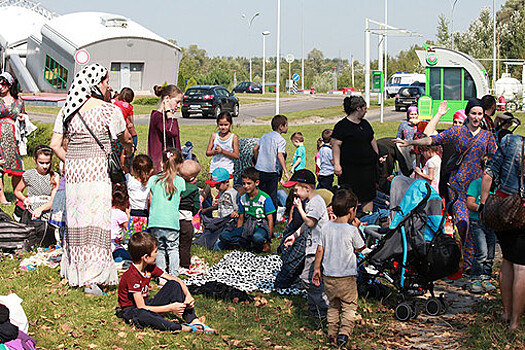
(355, 152)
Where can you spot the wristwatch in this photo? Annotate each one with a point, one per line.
(170, 111)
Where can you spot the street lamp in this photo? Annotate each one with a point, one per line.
(453, 4)
(278, 58)
(249, 46)
(264, 34)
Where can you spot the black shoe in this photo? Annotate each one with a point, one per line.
(342, 340)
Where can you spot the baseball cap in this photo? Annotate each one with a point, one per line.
(304, 176)
(218, 175)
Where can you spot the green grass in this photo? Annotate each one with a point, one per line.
(247, 100)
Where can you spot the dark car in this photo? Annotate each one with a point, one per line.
(209, 100)
(408, 96)
(249, 87)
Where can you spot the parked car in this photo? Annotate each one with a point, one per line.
(249, 87)
(408, 96)
(209, 100)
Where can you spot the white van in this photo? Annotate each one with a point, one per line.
(399, 80)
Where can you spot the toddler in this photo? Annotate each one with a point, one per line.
(299, 157)
(119, 221)
(326, 160)
(138, 192)
(432, 169)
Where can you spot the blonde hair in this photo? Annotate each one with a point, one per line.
(171, 160)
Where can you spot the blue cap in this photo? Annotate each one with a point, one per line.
(218, 175)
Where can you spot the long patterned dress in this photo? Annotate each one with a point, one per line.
(461, 138)
(87, 254)
(9, 148)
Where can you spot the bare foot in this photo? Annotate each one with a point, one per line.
(514, 326)
(505, 317)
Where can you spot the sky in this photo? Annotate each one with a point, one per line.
(336, 27)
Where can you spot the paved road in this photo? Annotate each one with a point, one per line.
(251, 111)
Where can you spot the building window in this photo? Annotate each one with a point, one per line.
(452, 84)
(55, 74)
(435, 83)
(469, 90)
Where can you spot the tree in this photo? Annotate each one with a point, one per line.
(315, 60)
(443, 33)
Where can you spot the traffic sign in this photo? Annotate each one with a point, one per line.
(289, 58)
(296, 77)
(82, 57)
(377, 81)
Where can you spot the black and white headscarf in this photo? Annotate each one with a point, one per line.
(84, 85)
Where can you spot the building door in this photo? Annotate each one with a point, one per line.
(125, 75)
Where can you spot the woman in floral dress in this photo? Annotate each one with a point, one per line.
(11, 110)
(87, 259)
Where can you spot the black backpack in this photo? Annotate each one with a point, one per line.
(16, 236)
(442, 258)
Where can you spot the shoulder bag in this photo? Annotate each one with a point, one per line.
(116, 174)
(506, 213)
(455, 160)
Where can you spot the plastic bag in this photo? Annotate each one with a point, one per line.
(17, 316)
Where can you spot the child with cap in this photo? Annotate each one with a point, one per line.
(315, 216)
(255, 223)
(227, 203)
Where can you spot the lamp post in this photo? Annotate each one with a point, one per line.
(278, 58)
(264, 34)
(453, 4)
(494, 46)
(302, 47)
(249, 44)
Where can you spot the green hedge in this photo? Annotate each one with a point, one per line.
(150, 101)
(41, 136)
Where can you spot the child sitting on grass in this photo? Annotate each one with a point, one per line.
(174, 297)
(119, 221)
(315, 216)
(335, 251)
(299, 157)
(255, 224)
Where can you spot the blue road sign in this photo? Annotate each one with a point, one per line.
(295, 77)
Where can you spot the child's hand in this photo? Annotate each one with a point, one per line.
(298, 203)
(383, 158)
(189, 301)
(331, 214)
(177, 308)
(356, 222)
(36, 213)
(418, 171)
(218, 149)
(316, 278)
(289, 241)
(234, 215)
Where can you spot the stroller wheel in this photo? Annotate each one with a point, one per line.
(375, 291)
(444, 305)
(433, 307)
(403, 312)
(415, 311)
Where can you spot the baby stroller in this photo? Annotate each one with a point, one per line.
(413, 251)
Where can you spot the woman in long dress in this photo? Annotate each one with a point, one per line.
(87, 260)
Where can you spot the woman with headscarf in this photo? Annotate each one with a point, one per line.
(11, 110)
(408, 128)
(474, 143)
(87, 260)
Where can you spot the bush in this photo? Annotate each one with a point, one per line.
(41, 136)
(149, 101)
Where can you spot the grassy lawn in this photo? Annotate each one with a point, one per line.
(63, 318)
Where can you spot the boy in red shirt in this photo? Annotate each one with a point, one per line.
(174, 297)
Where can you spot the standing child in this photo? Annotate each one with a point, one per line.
(174, 297)
(432, 169)
(326, 158)
(484, 240)
(314, 216)
(255, 224)
(223, 145)
(318, 156)
(336, 249)
(270, 155)
(299, 157)
(189, 206)
(166, 188)
(119, 221)
(123, 101)
(139, 193)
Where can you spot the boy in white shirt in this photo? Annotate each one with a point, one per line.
(339, 241)
(326, 159)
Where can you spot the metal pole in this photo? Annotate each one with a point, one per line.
(493, 46)
(367, 63)
(382, 41)
(352, 59)
(249, 43)
(289, 77)
(264, 62)
(385, 73)
(302, 55)
(278, 58)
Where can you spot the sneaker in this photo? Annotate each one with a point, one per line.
(342, 339)
(487, 286)
(476, 287)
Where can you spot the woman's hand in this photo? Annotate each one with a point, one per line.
(338, 170)
(27, 202)
(402, 143)
(442, 110)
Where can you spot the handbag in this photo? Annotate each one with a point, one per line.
(506, 213)
(455, 160)
(116, 174)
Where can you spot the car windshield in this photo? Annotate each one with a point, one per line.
(408, 92)
(196, 92)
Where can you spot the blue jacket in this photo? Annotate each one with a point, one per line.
(504, 166)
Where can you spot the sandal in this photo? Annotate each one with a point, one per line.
(194, 327)
(206, 329)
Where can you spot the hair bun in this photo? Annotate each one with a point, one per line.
(158, 90)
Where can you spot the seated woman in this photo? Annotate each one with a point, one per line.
(41, 184)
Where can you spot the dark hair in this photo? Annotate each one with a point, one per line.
(119, 196)
(488, 101)
(352, 103)
(278, 120)
(250, 173)
(141, 168)
(47, 151)
(343, 201)
(126, 95)
(225, 115)
(14, 89)
(433, 148)
(168, 90)
(327, 135)
(140, 244)
(297, 136)
(319, 143)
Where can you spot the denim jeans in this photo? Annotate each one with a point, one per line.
(168, 249)
(484, 248)
(282, 196)
(229, 239)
